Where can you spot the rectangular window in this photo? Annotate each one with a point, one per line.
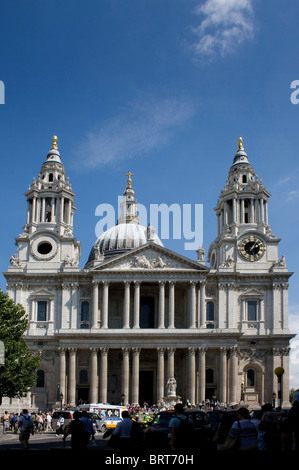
(42, 310)
(252, 310)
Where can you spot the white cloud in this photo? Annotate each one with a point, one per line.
(225, 25)
(144, 125)
(291, 195)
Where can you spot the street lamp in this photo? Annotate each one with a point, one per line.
(61, 398)
(279, 371)
(273, 399)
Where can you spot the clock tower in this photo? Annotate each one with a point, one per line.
(244, 240)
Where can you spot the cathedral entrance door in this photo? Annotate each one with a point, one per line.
(83, 394)
(146, 387)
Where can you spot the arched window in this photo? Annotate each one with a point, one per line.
(83, 377)
(250, 378)
(210, 311)
(40, 379)
(85, 311)
(50, 177)
(209, 376)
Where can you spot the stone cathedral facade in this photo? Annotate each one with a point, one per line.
(138, 313)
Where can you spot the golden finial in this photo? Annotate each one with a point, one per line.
(129, 181)
(54, 140)
(240, 142)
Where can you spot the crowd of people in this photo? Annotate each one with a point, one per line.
(268, 429)
(41, 422)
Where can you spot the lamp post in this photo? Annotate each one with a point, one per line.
(61, 399)
(273, 399)
(279, 371)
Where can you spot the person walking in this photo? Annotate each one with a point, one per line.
(60, 424)
(88, 427)
(26, 427)
(121, 436)
(76, 429)
(245, 429)
(6, 422)
(181, 429)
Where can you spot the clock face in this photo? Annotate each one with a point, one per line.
(251, 248)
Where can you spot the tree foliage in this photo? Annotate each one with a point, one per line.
(18, 373)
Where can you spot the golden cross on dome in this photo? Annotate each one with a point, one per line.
(54, 140)
(240, 141)
(129, 181)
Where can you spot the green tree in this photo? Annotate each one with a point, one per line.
(18, 373)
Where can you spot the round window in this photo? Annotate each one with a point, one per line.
(44, 248)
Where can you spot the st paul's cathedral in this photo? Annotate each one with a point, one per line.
(138, 313)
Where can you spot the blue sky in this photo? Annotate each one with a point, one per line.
(163, 88)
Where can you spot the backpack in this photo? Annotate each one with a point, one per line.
(27, 423)
(185, 434)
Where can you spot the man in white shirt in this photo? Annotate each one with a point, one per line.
(122, 432)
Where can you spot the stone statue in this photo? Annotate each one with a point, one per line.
(171, 387)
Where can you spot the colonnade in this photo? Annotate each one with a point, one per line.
(191, 369)
(234, 211)
(196, 304)
(60, 210)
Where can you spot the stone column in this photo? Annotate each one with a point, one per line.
(136, 304)
(161, 323)
(171, 307)
(202, 304)
(192, 304)
(61, 208)
(53, 210)
(43, 209)
(223, 375)
(38, 210)
(94, 375)
(62, 372)
(103, 373)
(202, 374)
(160, 374)
(72, 376)
(135, 375)
(170, 362)
(33, 213)
(95, 304)
(191, 374)
(126, 306)
(233, 376)
(65, 311)
(105, 306)
(284, 306)
(125, 374)
(74, 305)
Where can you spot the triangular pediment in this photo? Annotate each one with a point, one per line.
(42, 292)
(150, 257)
(252, 293)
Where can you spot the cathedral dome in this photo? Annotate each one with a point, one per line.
(127, 234)
(121, 238)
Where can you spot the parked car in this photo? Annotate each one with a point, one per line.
(215, 416)
(67, 415)
(157, 434)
